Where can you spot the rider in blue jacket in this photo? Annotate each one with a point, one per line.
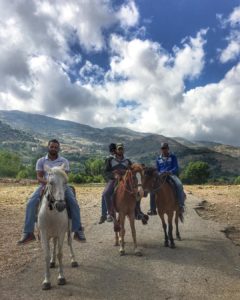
(167, 162)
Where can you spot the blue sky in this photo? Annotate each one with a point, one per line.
(168, 67)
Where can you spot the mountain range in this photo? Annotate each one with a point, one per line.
(28, 134)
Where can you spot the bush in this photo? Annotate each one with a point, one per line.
(9, 164)
(195, 173)
(237, 180)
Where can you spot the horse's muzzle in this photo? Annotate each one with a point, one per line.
(60, 205)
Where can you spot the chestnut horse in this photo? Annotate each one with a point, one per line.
(128, 189)
(166, 201)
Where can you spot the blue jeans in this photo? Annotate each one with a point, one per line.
(104, 207)
(152, 202)
(180, 193)
(107, 194)
(32, 206)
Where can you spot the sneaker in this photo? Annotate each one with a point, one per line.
(79, 236)
(152, 212)
(109, 218)
(27, 238)
(102, 219)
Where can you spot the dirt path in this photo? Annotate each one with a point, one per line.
(205, 264)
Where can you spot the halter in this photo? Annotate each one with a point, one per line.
(133, 186)
(50, 198)
(159, 182)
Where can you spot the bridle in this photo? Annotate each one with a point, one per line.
(132, 186)
(158, 182)
(59, 205)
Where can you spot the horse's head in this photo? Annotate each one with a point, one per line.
(137, 171)
(56, 186)
(150, 178)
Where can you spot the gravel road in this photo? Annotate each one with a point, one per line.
(205, 265)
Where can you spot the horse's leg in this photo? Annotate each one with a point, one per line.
(122, 233)
(116, 228)
(170, 229)
(177, 230)
(164, 225)
(137, 251)
(61, 279)
(53, 256)
(46, 285)
(74, 263)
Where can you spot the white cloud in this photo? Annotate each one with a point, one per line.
(232, 51)
(36, 65)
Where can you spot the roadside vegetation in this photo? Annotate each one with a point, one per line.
(91, 170)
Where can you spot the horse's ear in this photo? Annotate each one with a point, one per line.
(63, 167)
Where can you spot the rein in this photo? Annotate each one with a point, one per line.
(160, 183)
(49, 196)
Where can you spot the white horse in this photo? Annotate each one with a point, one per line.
(53, 223)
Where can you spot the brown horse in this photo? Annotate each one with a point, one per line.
(129, 188)
(166, 201)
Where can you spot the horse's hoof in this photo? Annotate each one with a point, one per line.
(61, 281)
(52, 265)
(166, 244)
(172, 246)
(179, 238)
(138, 252)
(146, 217)
(46, 286)
(121, 252)
(74, 264)
(144, 221)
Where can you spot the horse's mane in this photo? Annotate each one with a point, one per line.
(59, 171)
(150, 171)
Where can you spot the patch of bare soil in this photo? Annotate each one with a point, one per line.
(13, 199)
(221, 204)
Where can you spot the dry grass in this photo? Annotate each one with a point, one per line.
(13, 198)
(221, 204)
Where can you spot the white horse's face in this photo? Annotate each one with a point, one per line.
(57, 185)
(57, 181)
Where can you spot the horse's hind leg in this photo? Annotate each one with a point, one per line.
(177, 230)
(74, 263)
(53, 256)
(61, 279)
(137, 251)
(170, 229)
(164, 225)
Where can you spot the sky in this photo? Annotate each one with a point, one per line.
(170, 67)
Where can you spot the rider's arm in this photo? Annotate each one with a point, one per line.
(174, 167)
(40, 177)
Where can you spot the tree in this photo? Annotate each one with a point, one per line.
(9, 164)
(237, 180)
(196, 173)
(94, 167)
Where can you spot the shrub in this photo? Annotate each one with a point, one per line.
(195, 173)
(237, 180)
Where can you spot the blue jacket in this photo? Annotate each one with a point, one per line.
(167, 164)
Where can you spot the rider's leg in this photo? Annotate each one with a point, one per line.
(153, 208)
(180, 192)
(31, 210)
(74, 209)
(104, 207)
(107, 194)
